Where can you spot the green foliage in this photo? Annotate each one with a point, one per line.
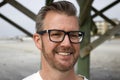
(49, 1)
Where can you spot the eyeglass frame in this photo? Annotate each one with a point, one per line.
(65, 33)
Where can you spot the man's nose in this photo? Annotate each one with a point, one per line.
(66, 41)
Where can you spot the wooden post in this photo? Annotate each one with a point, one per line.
(48, 2)
(85, 25)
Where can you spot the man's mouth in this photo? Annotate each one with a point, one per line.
(64, 53)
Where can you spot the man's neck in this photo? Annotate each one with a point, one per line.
(57, 75)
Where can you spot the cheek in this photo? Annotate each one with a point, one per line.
(77, 48)
(77, 45)
(48, 45)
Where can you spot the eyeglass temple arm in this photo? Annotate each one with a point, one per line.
(42, 32)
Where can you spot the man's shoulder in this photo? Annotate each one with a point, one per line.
(82, 77)
(35, 76)
(85, 78)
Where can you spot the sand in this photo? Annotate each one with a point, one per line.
(19, 59)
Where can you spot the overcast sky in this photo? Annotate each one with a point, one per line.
(8, 30)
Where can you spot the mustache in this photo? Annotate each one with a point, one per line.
(64, 49)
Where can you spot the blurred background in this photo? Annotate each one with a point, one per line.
(19, 57)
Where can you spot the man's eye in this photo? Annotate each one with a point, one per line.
(74, 35)
(56, 34)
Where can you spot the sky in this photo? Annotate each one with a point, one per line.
(7, 30)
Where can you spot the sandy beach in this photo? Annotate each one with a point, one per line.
(19, 59)
(105, 61)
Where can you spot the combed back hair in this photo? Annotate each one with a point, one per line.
(61, 7)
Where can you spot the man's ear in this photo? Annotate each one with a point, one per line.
(37, 40)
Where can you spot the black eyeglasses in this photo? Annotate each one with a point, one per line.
(59, 35)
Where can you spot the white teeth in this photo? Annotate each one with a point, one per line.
(64, 54)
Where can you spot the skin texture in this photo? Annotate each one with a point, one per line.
(54, 65)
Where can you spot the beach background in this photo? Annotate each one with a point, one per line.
(20, 58)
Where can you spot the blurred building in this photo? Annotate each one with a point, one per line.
(103, 26)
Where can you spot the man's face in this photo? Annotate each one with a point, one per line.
(63, 55)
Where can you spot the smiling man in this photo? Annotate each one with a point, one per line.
(58, 38)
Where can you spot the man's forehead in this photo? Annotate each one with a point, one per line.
(57, 19)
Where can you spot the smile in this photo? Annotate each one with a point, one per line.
(64, 53)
